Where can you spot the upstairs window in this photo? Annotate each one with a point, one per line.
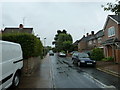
(111, 31)
(99, 40)
(90, 42)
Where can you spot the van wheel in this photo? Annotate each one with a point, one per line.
(16, 80)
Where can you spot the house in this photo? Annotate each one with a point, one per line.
(82, 44)
(20, 29)
(99, 39)
(111, 39)
(85, 44)
(91, 41)
(75, 44)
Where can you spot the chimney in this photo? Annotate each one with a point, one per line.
(83, 35)
(92, 32)
(21, 26)
(87, 34)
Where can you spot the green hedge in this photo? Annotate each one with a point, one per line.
(30, 44)
(97, 54)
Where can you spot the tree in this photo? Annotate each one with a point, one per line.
(63, 41)
(112, 7)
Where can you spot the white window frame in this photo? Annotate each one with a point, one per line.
(111, 31)
(99, 40)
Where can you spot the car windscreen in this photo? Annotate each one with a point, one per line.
(83, 55)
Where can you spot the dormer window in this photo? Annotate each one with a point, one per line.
(111, 31)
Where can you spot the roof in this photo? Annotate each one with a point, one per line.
(83, 39)
(99, 34)
(115, 18)
(91, 37)
(110, 41)
(76, 42)
(21, 30)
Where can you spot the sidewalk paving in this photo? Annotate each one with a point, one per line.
(111, 68)
(41, 78)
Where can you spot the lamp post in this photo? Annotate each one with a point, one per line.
(44, 47)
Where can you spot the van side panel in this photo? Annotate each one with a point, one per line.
(11, 53)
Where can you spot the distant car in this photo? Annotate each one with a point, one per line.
(73, 52)
(61, 54)
(51, 53)
(82, 59)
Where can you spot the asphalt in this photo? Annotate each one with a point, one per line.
(59, 73)
(106, 78)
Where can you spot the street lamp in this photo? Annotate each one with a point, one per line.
(44, 47)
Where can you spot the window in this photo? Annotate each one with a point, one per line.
(94, 41)
(111, 31)
(90, 42)
(99, 40)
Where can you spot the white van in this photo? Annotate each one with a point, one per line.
(11, 63)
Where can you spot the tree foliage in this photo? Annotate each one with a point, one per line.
(63, 41)
(112, 7)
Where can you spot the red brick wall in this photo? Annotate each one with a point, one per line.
(110, 23)
(118, 56)
(82, 45)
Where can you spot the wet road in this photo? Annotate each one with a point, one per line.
(57, 72)
(69, 76)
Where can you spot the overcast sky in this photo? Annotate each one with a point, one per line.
(46, 18)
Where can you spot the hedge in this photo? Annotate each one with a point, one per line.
(31, 45)
(97, 54)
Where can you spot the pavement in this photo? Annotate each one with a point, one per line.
(41, 78)
(113, 69)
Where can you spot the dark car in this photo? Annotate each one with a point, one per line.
(82, 59)
(51, 53)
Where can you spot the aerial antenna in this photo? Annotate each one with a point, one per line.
(23, 20)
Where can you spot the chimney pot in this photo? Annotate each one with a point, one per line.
(21, 26)
(92, 32)
(87, 34)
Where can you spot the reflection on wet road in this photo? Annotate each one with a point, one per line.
(67, 77)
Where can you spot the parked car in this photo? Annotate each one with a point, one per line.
(73, 52)
(51, 53)
(82, 59)
(61, 54)
(11, 64)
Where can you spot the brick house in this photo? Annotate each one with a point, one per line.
(111, 39)
(75, 45)
(91, 41)
(99, 39)
(82, 44)
(20, 29)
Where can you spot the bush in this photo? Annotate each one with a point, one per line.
(108, 59)
(31, 45)
(97, 54)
